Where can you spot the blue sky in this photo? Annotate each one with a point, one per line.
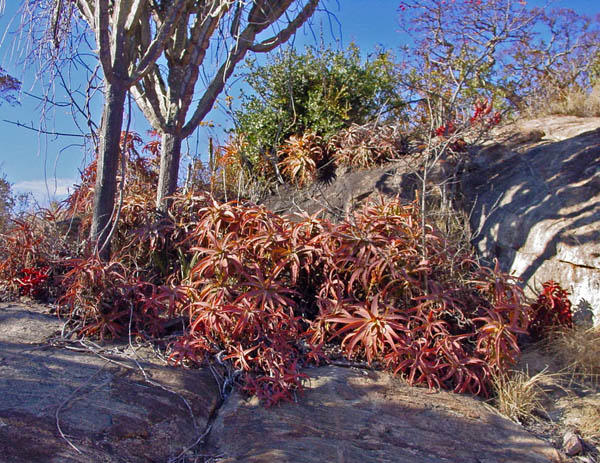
(45, 164)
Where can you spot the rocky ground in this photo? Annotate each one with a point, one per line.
(61, 402)
(64, 401)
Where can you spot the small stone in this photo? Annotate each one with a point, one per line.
(572, 444)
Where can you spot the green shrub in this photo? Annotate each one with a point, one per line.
(322, 90)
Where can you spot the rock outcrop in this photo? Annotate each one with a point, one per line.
(534, 193)
(345, 191)
(350, 415)
(109, 411)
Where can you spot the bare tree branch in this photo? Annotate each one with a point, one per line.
(282, 37)
(47, 132)
(257, 22)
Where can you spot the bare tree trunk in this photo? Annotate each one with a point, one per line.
(108, 164)
(169, 169)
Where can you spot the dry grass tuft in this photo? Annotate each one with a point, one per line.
(572, 102)
(518, 395)
(589, 422)
(578, 351)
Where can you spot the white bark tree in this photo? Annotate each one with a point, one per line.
(126, 55)
(235, 25)
(130, 36)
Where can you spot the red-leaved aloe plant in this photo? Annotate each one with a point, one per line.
(266, 293)
(551, 310)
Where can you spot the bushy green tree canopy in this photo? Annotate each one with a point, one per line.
(321, 90)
